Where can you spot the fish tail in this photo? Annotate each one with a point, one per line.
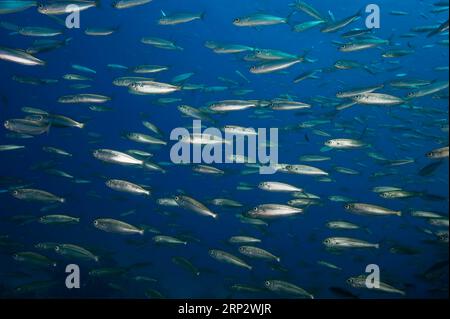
(97, 3)
(399, 213)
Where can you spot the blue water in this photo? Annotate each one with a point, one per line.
(296, 240)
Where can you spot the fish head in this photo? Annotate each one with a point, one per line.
(42, 8)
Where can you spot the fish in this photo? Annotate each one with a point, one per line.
(162, 44)
(274, 66)
(278, 187)
(34, 259)
(59, 8)
(162, 239)
(152, 87)
(186, 264)
(84, 98)
(342, 143)
(225, 257)
(334, 26)
(116, 157)
(58, 219)
(13, 6)
(116, 226)
(438, 153)
(125, 4)
(75, 251)
(377, 99)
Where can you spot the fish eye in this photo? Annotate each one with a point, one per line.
(15, 256)
(237, 20)
(350, 280)
(255, 209)
(267, 283)
(177, 197)
(95, 222)
(57, 248)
